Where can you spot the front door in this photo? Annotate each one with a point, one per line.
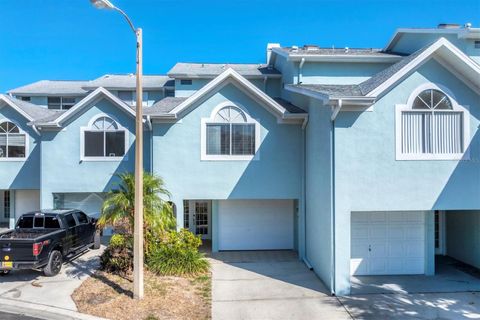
(197, 215)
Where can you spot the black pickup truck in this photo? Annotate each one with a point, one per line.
(42, 239)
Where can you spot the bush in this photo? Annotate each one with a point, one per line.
(118, 256)
(177, 255)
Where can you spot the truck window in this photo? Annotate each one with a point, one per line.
(38, 222)
(25, 223)
(70, 220)
(51, 223)
(81, 217)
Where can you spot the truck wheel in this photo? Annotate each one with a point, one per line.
(96, 240)
(54, 264)
(4, 272)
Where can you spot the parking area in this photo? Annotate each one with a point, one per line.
(31, 286)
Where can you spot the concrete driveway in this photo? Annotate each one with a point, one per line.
(269, 285)
(31, 286)
(452, 293)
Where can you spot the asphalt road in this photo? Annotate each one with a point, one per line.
(11, 316)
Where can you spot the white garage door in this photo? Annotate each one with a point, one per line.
(385, 243)
(255, 224)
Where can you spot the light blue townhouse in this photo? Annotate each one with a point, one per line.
(364, 161)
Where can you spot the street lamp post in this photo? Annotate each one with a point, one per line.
(138, 221)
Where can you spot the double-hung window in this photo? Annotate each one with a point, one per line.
(104, 139)
(12, 141)
(432, 127)
(230, 135)
(130, 97)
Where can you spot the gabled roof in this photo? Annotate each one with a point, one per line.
(212, 70)
(128, 81)
(164, 106)
(280, 108)
(30, 111)
(93, 96)
(52, 87)
(445, 52)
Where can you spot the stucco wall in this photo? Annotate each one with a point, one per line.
(463, 236)
(62, 169)
(368, 178)
(275, 175)
(20, 174)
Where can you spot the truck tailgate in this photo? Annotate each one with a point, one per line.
(16, 250)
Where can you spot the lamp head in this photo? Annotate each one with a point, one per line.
(102, 4)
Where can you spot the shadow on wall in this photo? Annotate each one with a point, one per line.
(28, 177)
(462, 190)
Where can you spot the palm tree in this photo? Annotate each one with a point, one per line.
(119, 206)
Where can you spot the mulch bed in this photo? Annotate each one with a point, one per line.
(110, 296)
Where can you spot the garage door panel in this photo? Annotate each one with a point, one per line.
(396, 240)
(255, 224)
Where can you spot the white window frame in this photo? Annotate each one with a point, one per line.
(89, 128)
(27, 143)
(400, 108)
(227, 157)
(145, 98)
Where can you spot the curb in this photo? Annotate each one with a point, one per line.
(42, 311)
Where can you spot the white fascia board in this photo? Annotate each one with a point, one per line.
(213, 76)
(15, 107)
(90, 98)
(230, 73)
(442, 42)
(309, 93)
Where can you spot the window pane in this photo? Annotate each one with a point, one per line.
(243, 139)
(25, 222)
(70, 220)
(115, 144)
(94, 144)
(3, 145)
(440, 100)
(38, 222)
(16, 145)
(53, 100)
(51, 223)
(4, 127)
(218, 139)
(81, 217)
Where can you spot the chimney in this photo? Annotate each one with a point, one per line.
(270, 46)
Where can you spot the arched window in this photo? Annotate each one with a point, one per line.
(230, 132)
(12, 141)
(432, 126)
(104, 138)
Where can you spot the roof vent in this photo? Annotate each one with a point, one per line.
(448, 26)
(294, 48)
(346, 49)
(310, 47)
(468, 25)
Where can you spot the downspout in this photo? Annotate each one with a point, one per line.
(304, 196)
(150, 126)
(300, 66)
(332, 166)
(265, 84)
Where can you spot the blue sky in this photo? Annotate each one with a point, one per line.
(69, 39)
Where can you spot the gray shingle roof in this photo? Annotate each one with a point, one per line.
(35, 112)
(319, 51)
(211, 70)
(128, 81)
(164, 106)
(52, 87)
(290, 107)
(379, 78)
(367, 86)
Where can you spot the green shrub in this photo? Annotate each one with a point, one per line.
(118, 256)
(177, 255)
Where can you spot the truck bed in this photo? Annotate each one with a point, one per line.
(26, 234)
